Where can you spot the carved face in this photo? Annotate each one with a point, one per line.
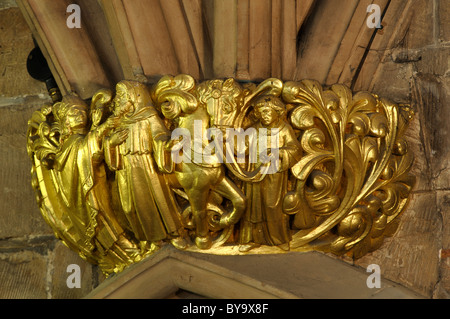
(76, 118)
(120, 100)
(269, 110)
(267, 115)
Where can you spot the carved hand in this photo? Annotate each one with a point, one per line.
(118, 137)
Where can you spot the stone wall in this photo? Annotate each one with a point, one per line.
(415, 68)
(410, 66)
(33, 264)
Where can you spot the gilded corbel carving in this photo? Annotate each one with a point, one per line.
(220, 167)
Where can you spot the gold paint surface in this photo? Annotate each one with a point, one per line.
(195, 165)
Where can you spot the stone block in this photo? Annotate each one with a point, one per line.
(23, 275)
(19, 212)
(443, 200)
(444, 20)
(434, 61)
(61, 258)
(430, 97)
(16, 43)
(393, 81)
(411, 256)
(419, 25)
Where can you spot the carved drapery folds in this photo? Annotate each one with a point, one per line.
(220, 167)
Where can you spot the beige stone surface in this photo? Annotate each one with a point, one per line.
(61, 258)
(23, 275)
(411, 257)
(444, 20)
(16, 43)
(309, 275)
(32, 262)
(19, 214)
(443, 285)
(411, 66)
(406, 61)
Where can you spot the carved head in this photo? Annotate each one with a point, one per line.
(269, 109)
(131, 96)
(71, 115)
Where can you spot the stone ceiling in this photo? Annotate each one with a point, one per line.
(245, 39)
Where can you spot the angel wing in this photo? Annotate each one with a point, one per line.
(353, 180)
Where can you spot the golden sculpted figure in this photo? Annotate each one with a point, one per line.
(264, 221)
(220, 167)
(75, 191)
(146, 200)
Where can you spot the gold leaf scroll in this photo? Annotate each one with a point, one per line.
(353, 179)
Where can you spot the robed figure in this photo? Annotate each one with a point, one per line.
(264, 222)
(80, 179)
(147, 201)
